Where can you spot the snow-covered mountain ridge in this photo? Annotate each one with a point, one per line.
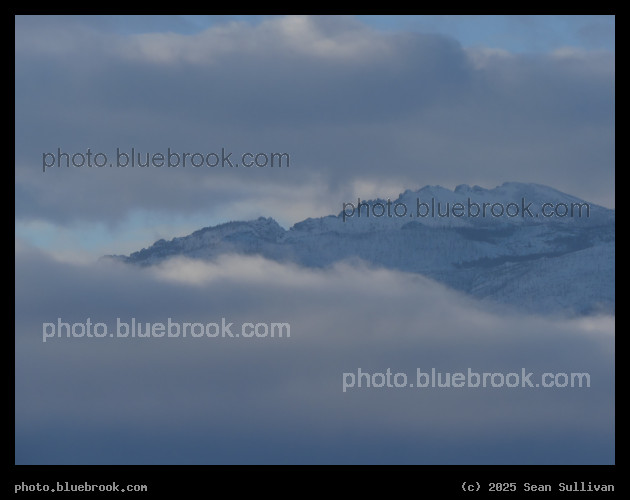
(528, 260)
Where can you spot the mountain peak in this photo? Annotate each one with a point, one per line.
(526, 262)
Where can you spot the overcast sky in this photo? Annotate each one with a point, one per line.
(365, 106)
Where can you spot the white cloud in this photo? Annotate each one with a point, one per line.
(331, 38)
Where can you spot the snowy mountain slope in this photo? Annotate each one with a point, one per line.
(532, 262)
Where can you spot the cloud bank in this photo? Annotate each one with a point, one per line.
(214, 400)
